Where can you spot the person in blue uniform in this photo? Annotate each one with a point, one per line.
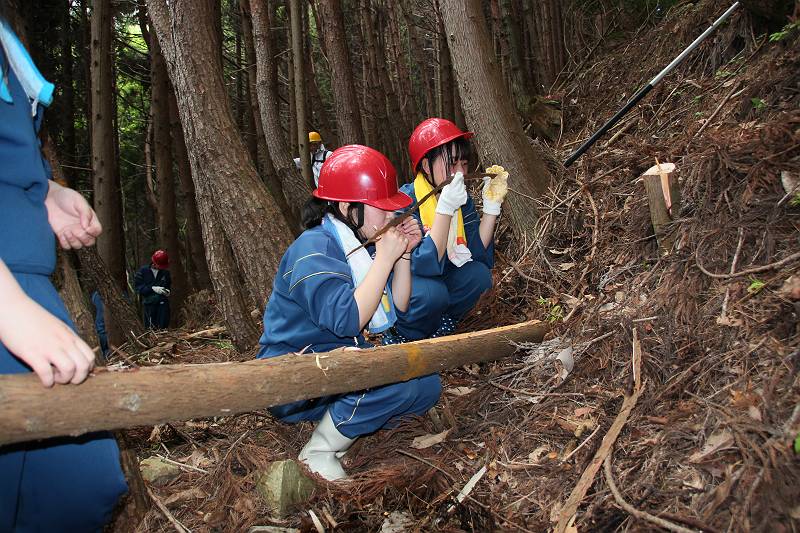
(153, 283)
(452, 265)
(60, 484)
(100, 322)
(322, 300)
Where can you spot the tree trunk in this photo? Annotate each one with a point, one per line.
(251, 220)
(291, 187)
(75, 300)
(290, 83)
(118, 307)
(348, 118)
(107, 196)
(490, 113)
(225, 277)
(157, 394)
(300, 91)
(263, 161)
(402, 65)
(167, 214)
(400, 129)
(418, 54)
(68, 95)
(208, 247)
(445, 78)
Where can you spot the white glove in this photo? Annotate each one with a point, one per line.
(159, 290)
(453, 196)
(494, 190)
(490, 207)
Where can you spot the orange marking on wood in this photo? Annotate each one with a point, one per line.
(415, 362)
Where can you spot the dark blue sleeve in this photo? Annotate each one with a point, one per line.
(141, 285)
(323, 287)
(167, 280)
(425, 260)
(472, 225)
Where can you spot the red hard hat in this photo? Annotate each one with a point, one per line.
(160, 259)
(431, 133)
(356, 173)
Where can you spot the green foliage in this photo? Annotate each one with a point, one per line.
(797, 444)
(795, 201)
(755, 285)
(554, 311)
(785, 32)
(722, 73)
(758, 103)
(223, 344)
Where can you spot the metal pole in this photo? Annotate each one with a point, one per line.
(647, 88)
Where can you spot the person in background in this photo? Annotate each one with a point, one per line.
(100, 322)
(66, 483)
(319, 154)
(152, 283)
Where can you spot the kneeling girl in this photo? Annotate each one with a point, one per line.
(322, 299)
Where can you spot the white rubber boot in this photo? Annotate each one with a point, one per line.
(320, 453)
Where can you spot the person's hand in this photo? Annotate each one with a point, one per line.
(391, 246)
(73, 221)
(494, 190)
(453, 196)
(46, 344)
(410, 228)
(158, 290)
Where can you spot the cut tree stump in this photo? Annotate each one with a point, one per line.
(154, 395)
(664, 198)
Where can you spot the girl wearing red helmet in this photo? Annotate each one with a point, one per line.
(322, 299)
(452, 266)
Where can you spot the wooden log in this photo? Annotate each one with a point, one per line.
(154, 395)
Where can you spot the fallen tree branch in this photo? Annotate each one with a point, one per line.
(631, 510)
(587, 478)
(754, 270)
(180, 528)
(159, 394)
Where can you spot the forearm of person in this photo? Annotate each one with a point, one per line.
(401, 283)
(486, 229)
(10, 291)
(439, 231)
(368, 294)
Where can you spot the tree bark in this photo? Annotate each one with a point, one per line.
(348, 117)
(107, 195)
(75, 300)
(490, 113)
(167, 215)
(445, 78)
(418, 54)
(291, 187)
(296, 18)
(154, 395)
(68, 96)
(250, 218)
(224, 274)
(263, 161)
(118, 307)
(194, 235)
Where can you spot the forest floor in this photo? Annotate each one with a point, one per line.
(707, 445)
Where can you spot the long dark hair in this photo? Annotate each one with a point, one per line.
(463, 150)
(315, 210)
